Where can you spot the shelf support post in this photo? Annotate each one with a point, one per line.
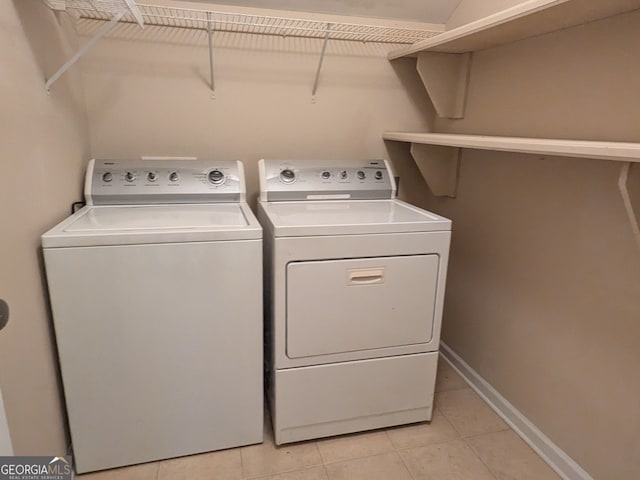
(324, 48)
(102, 31)
(210, 36)
(439, 166)
(627, 200)
(446, 79)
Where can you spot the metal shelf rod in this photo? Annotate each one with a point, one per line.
(102, 31)
(210, 36)
(324, 49)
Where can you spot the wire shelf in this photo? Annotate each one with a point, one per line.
(202, 19)
(107, 9)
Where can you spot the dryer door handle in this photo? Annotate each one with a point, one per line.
(365, 276)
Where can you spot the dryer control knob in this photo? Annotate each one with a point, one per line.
(343, 175)
(326, 175)
(287, 175)
(152, 176)
(216, 177)
(129, 176)
(174, 177)
(107, 177)
(361, 175)
(379, 175)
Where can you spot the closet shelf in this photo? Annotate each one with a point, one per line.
(203, 19)
(527, 19)
(437, 156)
(109, 8)
(128, 11)
(621, 151)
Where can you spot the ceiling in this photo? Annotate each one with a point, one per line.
(429, 11)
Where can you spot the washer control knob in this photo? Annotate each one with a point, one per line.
(343, 175)
(152, 176)
(129, 176)
(216, 177)
(361, 175)
(174, 177)
(107, 177)
(326, 175)
(379, 175)
(287, 175)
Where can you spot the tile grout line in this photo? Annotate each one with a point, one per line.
(440, 442)
(304, 467)
(242, 461)
(284, 472)
(357, 458)
(400, 455)
(493, 474)
(464, 438)
(475, 435)
(449, 420)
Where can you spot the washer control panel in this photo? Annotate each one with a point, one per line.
(289, 180)
(153, 181)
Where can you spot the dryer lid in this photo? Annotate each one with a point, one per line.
(357, 217)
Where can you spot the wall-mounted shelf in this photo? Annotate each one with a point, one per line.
(444, 60)
(201, 19)
(621, 151)
(528, 19)
(437, 156)
(128, 11)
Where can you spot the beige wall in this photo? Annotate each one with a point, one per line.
(42, 154)
(471, 10)
(147, 94)
(544, 287)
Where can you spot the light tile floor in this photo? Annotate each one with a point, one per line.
(465, 440)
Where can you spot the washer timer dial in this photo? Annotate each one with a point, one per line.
(216, 177)
(287, 175)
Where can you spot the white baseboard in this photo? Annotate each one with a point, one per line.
(555, 457)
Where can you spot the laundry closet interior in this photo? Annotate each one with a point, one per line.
(518, 121)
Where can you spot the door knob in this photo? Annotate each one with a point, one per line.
(4, 314)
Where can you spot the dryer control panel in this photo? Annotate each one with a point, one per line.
(163, 180)
(289, 180)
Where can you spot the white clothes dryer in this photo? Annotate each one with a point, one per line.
(156, 294)
(354, 293)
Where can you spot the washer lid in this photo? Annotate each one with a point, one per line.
(356, 217)
(138, 224)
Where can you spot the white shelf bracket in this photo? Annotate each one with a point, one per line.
(627, 200)
(212, 84)
(322, 52)
(446, 78)
(102, 31)
(439, 166)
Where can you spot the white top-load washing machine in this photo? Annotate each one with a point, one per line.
(156, 294)
(355, 285)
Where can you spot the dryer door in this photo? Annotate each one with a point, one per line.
(338, 306)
